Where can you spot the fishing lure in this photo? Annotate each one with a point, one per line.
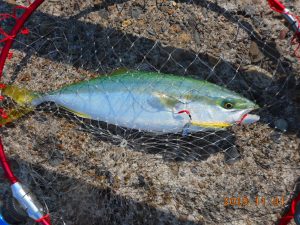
(146, 101)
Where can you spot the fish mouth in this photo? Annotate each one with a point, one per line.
(248, 118)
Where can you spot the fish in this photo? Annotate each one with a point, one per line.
(145, 101)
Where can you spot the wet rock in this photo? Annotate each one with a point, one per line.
(119, 7)
(175, 28)
(197, 37)
(275, 136)
(281, 125)
(126, 23)
(103, 13)
(40, 118)
(144, 182)
(141, 180)
(295, 94)
(182, 174)
(258, 78)
(104, 172)
(56, 157)
(255, 53)
(194, 170)
(151, 31)
(136, 11)
(184, 38)
(232, 155)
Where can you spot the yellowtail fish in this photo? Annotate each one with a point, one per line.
(146, 101)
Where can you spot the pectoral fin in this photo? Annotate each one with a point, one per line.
(167, 101)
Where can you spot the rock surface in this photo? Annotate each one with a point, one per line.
(87, 180)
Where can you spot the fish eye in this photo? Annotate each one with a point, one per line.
(227, 105)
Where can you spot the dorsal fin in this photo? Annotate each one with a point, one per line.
(119, 71)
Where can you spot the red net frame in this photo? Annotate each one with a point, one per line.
(8, 38)
(279, 7)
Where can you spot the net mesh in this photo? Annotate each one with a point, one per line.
(93, 172)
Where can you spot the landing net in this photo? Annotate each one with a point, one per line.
(93, 172)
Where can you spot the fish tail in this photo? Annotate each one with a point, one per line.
(23, 98)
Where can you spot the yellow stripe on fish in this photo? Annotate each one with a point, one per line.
(210, 124)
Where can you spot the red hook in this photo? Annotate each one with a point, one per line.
(185, 111)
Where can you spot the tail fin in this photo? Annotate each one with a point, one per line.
(23, 98)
